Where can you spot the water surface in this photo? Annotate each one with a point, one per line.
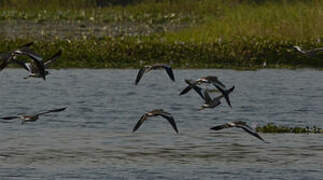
(92, 139)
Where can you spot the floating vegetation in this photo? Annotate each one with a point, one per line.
(272, 128)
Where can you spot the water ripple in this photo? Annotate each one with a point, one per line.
(93, 138)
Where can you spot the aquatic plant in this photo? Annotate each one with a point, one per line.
(272, 128)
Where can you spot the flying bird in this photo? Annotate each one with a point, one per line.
(192, 85)
(203, 80)
(239, 124)
(210, 80)
(148, 68)
(156, 112)
(10, 57)
(37, 59)
(225, 93)
(33, 117)
(33, 69)
(209, 102)
(311, 52)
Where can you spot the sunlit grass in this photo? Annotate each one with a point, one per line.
(283, 21)
(134, 52)
(220, 34)
(214, 19)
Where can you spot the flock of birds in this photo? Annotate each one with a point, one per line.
(37, 68)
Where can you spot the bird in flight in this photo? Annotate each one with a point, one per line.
(192, 85)
(148, 68)
(33, 117)
(311, 52)
(225, 93)
(203, 80)
(33, 69)
(239, 124)
(156, 112)
(11, 57)
(209, 102)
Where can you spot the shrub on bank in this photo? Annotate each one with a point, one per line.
(134, 52)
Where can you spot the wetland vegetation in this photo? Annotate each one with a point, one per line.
(272, 128)
(184, 33)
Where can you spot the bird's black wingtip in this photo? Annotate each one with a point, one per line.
(134, 129)
(216, 128)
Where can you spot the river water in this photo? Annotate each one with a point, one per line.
(93, 139)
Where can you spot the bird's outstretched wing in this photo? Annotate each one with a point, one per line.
(190, 86)
(22, 64)
(225, 93)
(3, 65)
(217, 82)
(139, 123)
(5, 57)
(156, 112)
(218, 98)
(53, 110)
(141, 72)
(169, 72)
(207, 97)
(38, 61)
(219, 127)
(170, 119)
(185, 90)
(53, 58)
(9, 117)
(26, 46)
(251, 132)
(316, 50)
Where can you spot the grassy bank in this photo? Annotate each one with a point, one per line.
(133, 52)
(184, 33)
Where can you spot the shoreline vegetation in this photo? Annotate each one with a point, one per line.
(183, 33)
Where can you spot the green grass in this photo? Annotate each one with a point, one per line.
(219, 34)
(214, 19)
(134, 52)
(281, 21)
(145, 12)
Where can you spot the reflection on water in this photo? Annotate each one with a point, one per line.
(92, 139)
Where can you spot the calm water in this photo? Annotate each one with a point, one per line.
(92, 139)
